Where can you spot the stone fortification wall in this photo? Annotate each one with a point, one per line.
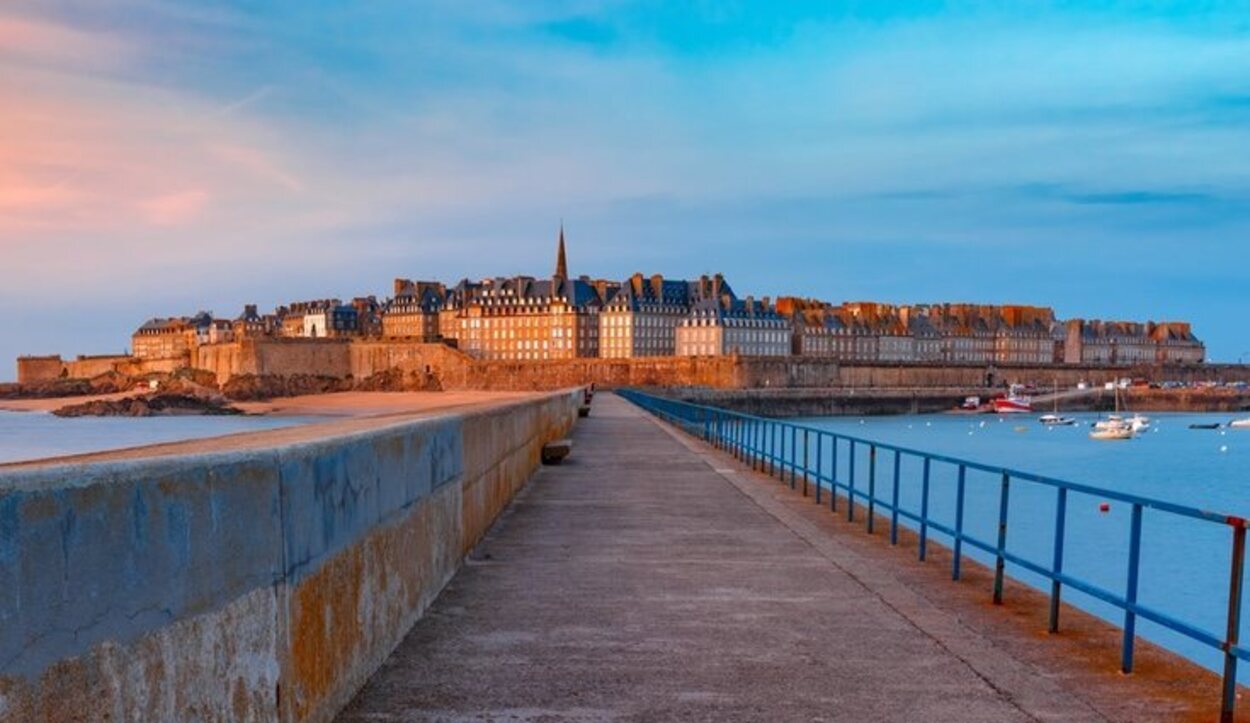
(248, 586)
(322, 357)
(456, 370)
(32, 369)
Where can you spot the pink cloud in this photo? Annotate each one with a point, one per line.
(174, 209)
(44, 43)
(256, 162)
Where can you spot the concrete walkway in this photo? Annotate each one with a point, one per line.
(639, 582)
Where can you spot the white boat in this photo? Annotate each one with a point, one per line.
(1114, 427)
(1113, 421)
(1112, 433)
(1240, 423)
(1055, 420)
(1013, 405)
(1138, 423)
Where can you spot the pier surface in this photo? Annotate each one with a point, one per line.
(651, 578)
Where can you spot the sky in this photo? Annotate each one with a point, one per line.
(160, 157)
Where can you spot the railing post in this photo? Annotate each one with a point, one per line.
(894, 500)
(1233, 631)
(820, 459)
(1130, 593)
(924, 509)
(872, 485)
(757, 440)
(958, 547)
(794, 453)
(772, 449)
(1061, 514)
(850, 484)
(833, 473)
(1000, 564)
(806, 473)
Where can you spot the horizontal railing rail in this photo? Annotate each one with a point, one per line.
(784, 449)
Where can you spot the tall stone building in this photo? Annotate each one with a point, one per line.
(414, 311)
(720, 324)
(640, 319)
(524, 318)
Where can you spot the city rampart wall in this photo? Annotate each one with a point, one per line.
(247, 586)
(456, 370)
(32, 369)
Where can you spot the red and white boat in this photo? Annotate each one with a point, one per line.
(1013, 404)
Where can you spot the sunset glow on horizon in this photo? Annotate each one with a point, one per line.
(159, 156)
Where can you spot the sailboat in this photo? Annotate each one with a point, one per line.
(1113, 427)
(1055, 419)
(1139, 422)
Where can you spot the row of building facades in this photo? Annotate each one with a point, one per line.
(523, 318)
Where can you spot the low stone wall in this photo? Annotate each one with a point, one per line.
(248, 586)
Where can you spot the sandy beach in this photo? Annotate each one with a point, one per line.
(344, 413)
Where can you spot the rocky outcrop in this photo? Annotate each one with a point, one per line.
(151, 405)
(397, 380)
(107, 383)
(259, 387)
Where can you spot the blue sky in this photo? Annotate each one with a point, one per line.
(160, 157)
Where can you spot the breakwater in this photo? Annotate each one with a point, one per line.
(258, 585)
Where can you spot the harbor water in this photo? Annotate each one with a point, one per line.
(38, 435)
(1185, 563)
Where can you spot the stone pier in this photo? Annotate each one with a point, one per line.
(652, 578)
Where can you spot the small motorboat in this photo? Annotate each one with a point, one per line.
(1240, 423)
(1205, 425)
(1139, 423)
(1056, 420)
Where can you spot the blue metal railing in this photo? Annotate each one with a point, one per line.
(781, 449)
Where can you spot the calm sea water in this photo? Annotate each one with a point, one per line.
(1184, 563)
(37, 435)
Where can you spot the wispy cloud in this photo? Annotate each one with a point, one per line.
(801, 146)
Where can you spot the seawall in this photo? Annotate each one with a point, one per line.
(260, 585)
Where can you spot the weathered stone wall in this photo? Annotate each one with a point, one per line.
(324, 357)
(250, 586)
(86, 367)
(32, 369)
(456, 370)
(44, 368)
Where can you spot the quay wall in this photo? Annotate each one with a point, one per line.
(247, 586)
(455, 370)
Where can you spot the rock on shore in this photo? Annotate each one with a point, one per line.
(153, 405)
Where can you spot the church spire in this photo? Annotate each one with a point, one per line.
(562, 264)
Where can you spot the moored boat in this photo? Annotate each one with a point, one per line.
(1240, 423)
(1112, 433)
(1056, 420)
(1013, 405)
